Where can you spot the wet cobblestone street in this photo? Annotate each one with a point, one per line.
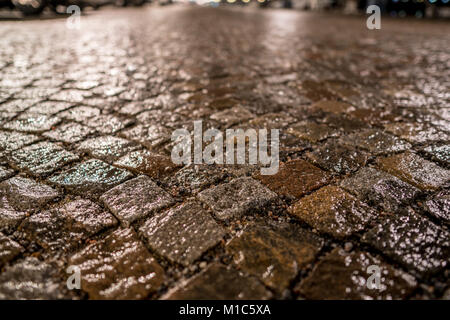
(86, 178)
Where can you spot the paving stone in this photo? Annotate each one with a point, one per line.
(416, 171)
(232, 116)
(17, 105)
(69, 132)
(20, 195)
(342, 275)
(332, 210)
(412, 241)
(5, 173)
(194, 178)
(439, 205)
(107, 148)
(31, 279)
(65, 227)
(380, 189)
(218, 282)
(10, 141)
(338, 158)
(80, 113)
(26, 194)
(312, 131)
(143, 161)
(237, 197)
(92, 177)
(439, 153)
(271, 121)
(71, 95)
(9, 249)
(416, 132)
(48, 108)
(136, 199)
(295, 178)
(149, 136)
(274, 254)
(377, 142)
(183, 233)
(41, 158)
(107, 124)
(118, 267)
(332, 106)
(32, 123)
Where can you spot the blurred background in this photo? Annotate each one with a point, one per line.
(394, 8)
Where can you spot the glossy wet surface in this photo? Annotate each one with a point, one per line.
(86, 179)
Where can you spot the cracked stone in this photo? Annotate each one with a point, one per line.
(338, 158)
(67, 226)
(274, 254)
(41, 158)
(439, 205)
(136, 199)
(183, 233)
(412, 241)
(332, 210)
(107, 148)
(295, 178)
(31, 279)
(380, 189)
(416, 171)
(92, 177)
(143, 161)
(237, 198)
(312, 131)
(32, 123)
(9, 249)
(349, 282)
(69, 132)
(218, 282)
(118, 267)
(377, 142)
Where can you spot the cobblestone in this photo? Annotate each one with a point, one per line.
(136, 199)
(332, 210)
(8, 249)
(41, 159)
(295, 178)
(85, 145)
(412, 241)
(274, 254)
(413, 169)
(352, 280)
(31, 279)
(183, 234)
(380, 189)
(219, 283)
(118, 267)
(237, 198)
(93, 177)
